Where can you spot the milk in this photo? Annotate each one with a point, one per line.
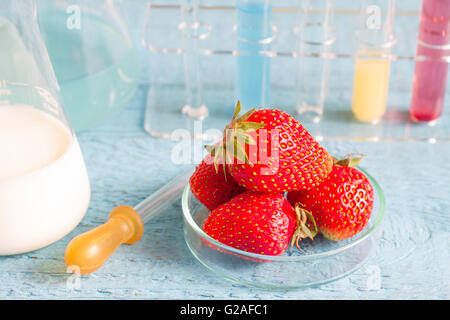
(44, 187)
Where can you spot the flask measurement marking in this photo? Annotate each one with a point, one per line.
(4, 91)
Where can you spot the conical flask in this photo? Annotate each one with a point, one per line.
(44, 186)
(96, 62)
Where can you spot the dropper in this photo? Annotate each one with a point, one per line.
(88, 251)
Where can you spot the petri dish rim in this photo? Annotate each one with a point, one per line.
(268, 286)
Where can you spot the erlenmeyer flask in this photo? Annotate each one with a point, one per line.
(44, 186)
(95, 60)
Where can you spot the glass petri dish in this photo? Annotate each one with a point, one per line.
(320, 261)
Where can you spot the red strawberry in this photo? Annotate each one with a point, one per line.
(253, 221)
(342, 204)
(213, 187)
(269, 151)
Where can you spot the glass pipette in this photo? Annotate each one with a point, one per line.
(88, 251)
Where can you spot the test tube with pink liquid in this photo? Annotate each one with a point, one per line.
(433, 51)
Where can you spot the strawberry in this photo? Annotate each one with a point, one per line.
(213, 187)
(269, 151)
(254, 222)
(342, 204)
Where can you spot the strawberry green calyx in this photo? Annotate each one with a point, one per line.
(235, 137)
(303, 231)
(350, 160)
(218, 153)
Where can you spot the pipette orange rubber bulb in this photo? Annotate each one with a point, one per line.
(88, 251)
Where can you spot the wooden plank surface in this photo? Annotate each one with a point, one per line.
(125, 165)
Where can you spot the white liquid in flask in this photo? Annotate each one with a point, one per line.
(44, 186)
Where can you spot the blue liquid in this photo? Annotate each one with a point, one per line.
(253, 67)
(97, 67)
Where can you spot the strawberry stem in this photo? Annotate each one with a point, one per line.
(350, 160)
(302, 231)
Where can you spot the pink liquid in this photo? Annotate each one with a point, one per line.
(430, 76)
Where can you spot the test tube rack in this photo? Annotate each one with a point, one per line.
(193, 76)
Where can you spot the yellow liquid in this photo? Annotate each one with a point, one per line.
(370, 88)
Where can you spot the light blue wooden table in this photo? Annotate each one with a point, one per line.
(125, 165)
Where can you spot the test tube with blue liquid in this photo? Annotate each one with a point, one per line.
(255, 34)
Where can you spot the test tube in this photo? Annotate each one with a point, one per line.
(192, 31)
(316, 36)
(433, 46)
(255, 33)
(372, 65)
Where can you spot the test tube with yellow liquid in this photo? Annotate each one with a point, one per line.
(371, 83)
(372, 64)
